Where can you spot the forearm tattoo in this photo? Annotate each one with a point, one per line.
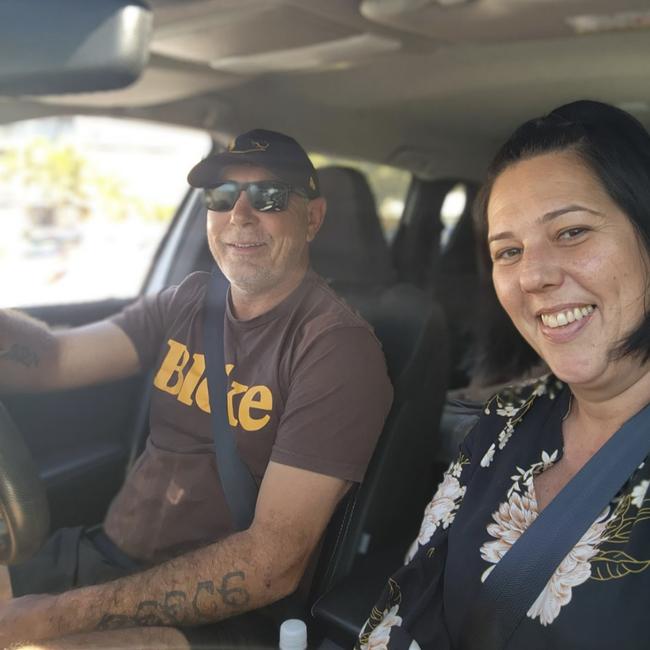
(204, 606)
(20, 354)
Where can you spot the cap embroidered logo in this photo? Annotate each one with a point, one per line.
(257, 145)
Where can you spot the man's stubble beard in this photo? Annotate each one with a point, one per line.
(254, 282)
(253, 279)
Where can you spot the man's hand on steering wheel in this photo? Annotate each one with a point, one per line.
(24, 511)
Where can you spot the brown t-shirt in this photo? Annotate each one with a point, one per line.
(307, 387)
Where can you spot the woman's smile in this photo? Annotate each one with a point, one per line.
(567, 264)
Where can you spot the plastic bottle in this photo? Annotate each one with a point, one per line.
(293, 635)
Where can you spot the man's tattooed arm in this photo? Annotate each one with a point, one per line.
(244, 571)
(205, 605)
(36, 358)
(28, 351)
(21, 354)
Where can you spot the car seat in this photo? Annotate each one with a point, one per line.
(350, 251)
(450, 271)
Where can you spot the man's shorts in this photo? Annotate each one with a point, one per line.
(72, 557)
(78, 557)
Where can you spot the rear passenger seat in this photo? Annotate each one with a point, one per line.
(350, 249)
(351, 253)
(449, 274)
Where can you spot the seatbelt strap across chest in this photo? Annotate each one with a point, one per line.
(522, 573)
(239, 486)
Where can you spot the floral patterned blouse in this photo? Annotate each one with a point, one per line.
(598, 597)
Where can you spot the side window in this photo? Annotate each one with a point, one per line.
(389, 186)
(451, 211)
(84, 203)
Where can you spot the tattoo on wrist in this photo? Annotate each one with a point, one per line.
(174, 606)
(21, 354)
(234, 596)
(231, 593)
(175, 609)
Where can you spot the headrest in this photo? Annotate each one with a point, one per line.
(350, 247)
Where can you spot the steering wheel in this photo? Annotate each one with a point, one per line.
(24, 511)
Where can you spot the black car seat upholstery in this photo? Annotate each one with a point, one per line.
(416, 247)
(456, 283)
(350, 248)
(386, 510)
(450, 272)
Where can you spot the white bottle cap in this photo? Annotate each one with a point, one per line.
(293, 635)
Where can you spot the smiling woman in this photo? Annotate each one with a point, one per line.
(569, 268)
(608, 155)
(564, 213)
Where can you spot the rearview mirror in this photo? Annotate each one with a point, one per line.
(72, 46)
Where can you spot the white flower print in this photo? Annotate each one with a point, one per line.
(489, 455)
(638, 493)
(574, 569)
(526, 476)
(455, 469)
(443, 504)
(540, 389)
(547, 461)
(506, 434)
(511, 520)
(378, 639)
(508, 411)
(513, 404)
(440, 511)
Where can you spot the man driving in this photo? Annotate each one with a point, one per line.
(307, 395)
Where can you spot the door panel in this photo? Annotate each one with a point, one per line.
(75, 314)
(81, 438)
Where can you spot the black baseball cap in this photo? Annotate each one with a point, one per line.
(278, 153)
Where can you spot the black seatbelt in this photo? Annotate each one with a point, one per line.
(522, 573)
(238, 484)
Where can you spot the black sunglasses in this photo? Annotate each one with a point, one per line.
(265, 196)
